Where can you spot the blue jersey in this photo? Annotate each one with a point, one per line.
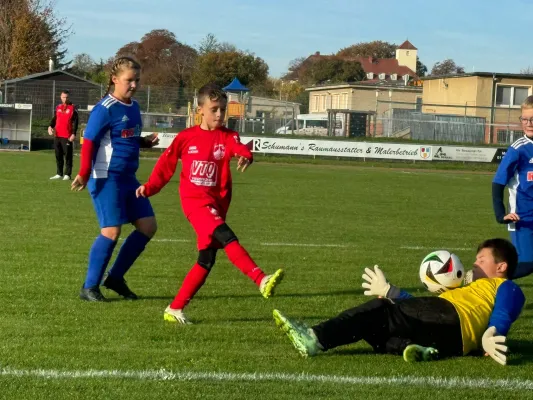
(516, 172)
(115, 129)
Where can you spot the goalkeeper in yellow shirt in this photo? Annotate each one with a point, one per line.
(457, 322)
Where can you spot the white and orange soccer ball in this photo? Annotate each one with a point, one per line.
(441, 271)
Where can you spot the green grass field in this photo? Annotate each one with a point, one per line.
(322, 223)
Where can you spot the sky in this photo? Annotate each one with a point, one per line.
(481, 35)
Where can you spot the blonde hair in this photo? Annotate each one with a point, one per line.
(120, 64)
(528, 103)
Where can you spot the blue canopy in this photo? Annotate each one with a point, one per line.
(236, 86)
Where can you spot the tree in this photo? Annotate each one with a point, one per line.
(25, 41)
(164, 59)
(30, 34)
(289, 91)
(295, 67)
(82, 65)
(446, 67)
(421, 69)
(527, 71)
(330, 69)
(208, 44)
(376, 49)
(222, 67)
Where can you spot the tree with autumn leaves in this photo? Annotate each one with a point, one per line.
(30, 34)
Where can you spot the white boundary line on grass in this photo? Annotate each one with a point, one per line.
(164, 375)
(261, 244)
(434, 248)
(305, 245)
(331, 245)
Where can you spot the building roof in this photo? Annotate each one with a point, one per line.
(407, 45)
(375, 85)
(480, 74)
(46, 73)
(385, 66)
(377, 66)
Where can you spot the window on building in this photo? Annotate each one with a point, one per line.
(418, 106)
(407, 52)
(382, 76)
(370, 75)
(511, 95)
(315, 101)
(394, 77)
(344, 101)
(324, 102)
(335, 101)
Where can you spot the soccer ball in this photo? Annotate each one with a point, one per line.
(441, 271)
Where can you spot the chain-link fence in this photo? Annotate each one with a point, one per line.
(44, 95)
(447, 123)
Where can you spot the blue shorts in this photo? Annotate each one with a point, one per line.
(522, 238)
(115, 202)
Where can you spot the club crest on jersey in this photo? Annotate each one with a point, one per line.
(529, 176)
(130, 132)
(193, 150)
(127, 133)
(203, 173)
(219, 151)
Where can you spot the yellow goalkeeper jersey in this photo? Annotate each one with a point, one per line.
(474, 304)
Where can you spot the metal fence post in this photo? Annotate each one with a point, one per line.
(53, 95)
(148, 100)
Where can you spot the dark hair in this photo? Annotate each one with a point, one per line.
(65, 92)
(502, 251)
(118, 65)
(212, 92)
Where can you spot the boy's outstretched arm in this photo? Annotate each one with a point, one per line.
(377, 285)
(163, 170)
(508, 305)
(237, 149)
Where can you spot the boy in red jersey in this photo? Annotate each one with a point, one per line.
(205, 192)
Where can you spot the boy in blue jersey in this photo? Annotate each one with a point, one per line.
(109, 161)
(457, 322)
(516, 172)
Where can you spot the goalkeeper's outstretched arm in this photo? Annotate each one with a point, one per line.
(377, 285)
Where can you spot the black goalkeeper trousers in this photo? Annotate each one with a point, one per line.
(390, 327)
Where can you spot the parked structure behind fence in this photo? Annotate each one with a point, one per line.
(447, 123)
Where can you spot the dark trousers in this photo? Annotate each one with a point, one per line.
(63, 148)
(390, 327)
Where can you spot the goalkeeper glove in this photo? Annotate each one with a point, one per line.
(494, 345)
(376, 283)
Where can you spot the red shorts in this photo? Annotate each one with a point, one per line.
(204, 221)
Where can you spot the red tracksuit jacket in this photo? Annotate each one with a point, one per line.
(64, 120)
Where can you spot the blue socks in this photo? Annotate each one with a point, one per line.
(129, 252)
(99, 257)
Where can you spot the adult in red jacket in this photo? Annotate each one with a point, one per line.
(63, 127)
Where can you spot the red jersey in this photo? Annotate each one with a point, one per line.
(64, 120)
(205, 177)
